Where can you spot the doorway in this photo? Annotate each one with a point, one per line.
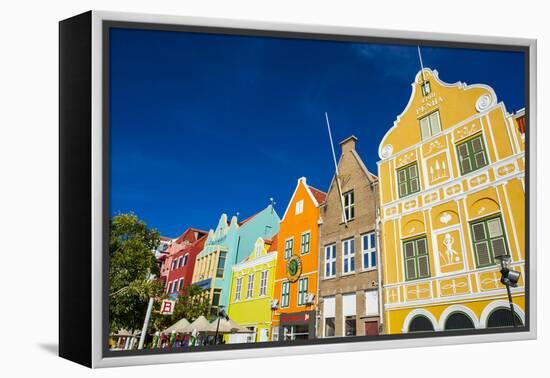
(371, 328)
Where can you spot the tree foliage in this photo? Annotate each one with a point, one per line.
(132, 265)
(191, 303)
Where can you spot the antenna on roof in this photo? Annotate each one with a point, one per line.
(272, 203)
(336, 169)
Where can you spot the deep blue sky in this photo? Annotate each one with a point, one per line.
(203, 124)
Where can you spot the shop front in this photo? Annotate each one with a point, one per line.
(297, 326)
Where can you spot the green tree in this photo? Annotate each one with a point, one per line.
(192, 302)
(132, 265)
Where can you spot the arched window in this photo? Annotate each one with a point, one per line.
(502, 317)
(421, 323)
(458, 320)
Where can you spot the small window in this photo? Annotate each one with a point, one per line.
(263, 283)
(330, 261)
(408, 181)
(430, 125)
(299, 207)
(304, 245)
(221, 264)
(348, 256)
(426, 88)
(416, 259)
(302, 291)
(369, 251)
(289, 243)
(216, 297)
(238, 288)
(180, 286)
(180, 260)
(285, 294)
(185, 260)
(259, 248)
(472, 155)
(489, 240)
(169, 288)
(349, 205)
(250, 287)
(330, 327)
(351, 326)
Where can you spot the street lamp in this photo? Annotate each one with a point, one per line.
(221, 314)
(509, 279)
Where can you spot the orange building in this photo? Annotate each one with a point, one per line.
(294, 304)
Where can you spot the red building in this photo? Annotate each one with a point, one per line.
(179, 261)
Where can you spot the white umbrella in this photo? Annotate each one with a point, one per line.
(178, 327)
(199, 325)
(228, 326)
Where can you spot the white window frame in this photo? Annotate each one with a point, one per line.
(185, 257)
(169, 288)
(250, 286)
(287, 242)
(275, 333)
(299, 209)
(369, 250)
(330, 261)
(258, 250)
(238, 288)
(180, 284)
(350, 206)
(348, 257)
(428, 119)
(263, 282)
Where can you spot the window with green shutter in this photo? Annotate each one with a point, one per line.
(302, 291)
(430, 125)
(408, 181)
(472, 155)
(285, 294)
(415, 253)
(304, 245)
(489, 240)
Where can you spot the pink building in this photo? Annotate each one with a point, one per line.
(178, 263)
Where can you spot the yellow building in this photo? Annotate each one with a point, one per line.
(452, 197)
(252, 285)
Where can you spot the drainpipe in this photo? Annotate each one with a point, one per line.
(379, 261)
(319, 269)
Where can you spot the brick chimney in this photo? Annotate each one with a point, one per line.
(348, 144)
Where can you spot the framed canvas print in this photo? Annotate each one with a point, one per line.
(234, 189)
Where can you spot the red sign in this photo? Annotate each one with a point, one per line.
(167, 307)
(297, 317)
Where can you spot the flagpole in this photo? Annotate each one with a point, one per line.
(421, 64)
(146, 322)
(336, 169)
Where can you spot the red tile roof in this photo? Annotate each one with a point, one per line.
(273, 243)
(319, 195)
(189, 235)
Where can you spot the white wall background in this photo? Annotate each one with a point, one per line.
(28, 183)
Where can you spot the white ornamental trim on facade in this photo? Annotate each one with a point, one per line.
(435, 74)
(448, 185)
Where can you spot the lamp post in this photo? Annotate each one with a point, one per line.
(221, 314)
(509, 279)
